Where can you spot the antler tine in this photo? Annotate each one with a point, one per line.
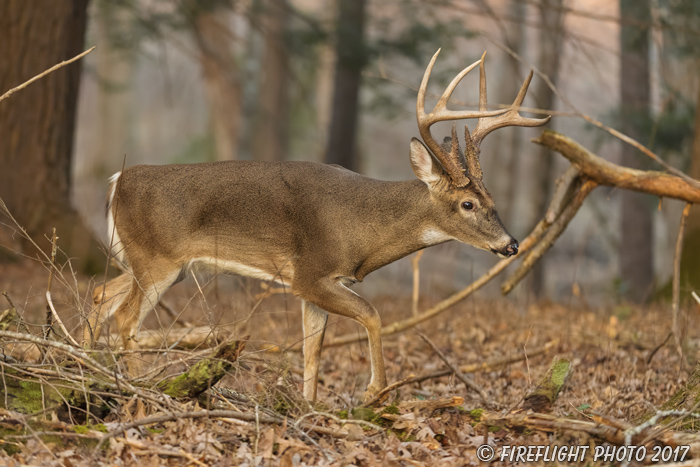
(510, 118)
(471, 153)
(441, 113)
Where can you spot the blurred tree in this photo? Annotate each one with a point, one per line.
(37, 124)
(210, 24)
(681, 21)
(325, 75)
(270, 128)
(507, 149)
(351, 58)
(636, 227)
(551, 43)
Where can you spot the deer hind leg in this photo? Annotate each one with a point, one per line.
(333, 296)
(315, 320)
(143, 296)
(106, 299)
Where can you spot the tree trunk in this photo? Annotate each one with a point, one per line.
(690, 266)
(325, 78)
(551, 43)
(221, 78)
(636, 227)
(270, 131)
(37, 124)
(508, 148)
(350, 59)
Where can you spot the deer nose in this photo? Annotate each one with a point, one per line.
(512, 249)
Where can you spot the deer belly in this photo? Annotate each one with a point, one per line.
(225, 266)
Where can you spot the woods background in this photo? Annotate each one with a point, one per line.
(334, 81)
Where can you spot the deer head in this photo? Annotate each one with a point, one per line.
(464, 209)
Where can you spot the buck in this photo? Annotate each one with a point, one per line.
(318, 229)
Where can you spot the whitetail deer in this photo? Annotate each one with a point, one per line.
(315, 228)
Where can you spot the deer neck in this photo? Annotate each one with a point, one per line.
(403, 224)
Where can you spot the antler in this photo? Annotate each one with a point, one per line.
(486, 125)
(450, 161)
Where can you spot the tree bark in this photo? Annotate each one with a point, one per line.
(325, 78)
(551, 43)
(37, 124)
(636, 221)
(221, 78)
(270, 130)
(507, 149)
(350, 59)
(690, 266)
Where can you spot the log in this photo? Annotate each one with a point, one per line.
(205, 373)
(542, 398)
(29, 390)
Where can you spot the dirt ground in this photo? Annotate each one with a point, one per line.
(609, 347)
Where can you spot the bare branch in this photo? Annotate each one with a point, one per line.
(41, 75)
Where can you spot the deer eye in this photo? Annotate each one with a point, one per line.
(468, 205)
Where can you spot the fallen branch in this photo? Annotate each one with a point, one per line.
(542, 398)
(553, 233)
(205, 373)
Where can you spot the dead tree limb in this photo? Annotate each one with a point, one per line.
(205, 373)
(553, 233)
(606, 173)
(542, 398)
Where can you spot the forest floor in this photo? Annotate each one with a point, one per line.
(617, 373)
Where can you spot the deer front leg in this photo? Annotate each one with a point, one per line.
(331, 295)
(315, 320)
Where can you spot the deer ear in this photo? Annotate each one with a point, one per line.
(424, 164)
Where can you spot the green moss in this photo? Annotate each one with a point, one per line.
(476, 414)
(100, 427)
(559, 372)
(366, 414)
(391, 409)
(343, 414)
(82, 429)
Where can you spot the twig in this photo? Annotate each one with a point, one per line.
(58, 319)
(658, 347)
(41, 75)
(49, 315)
(467, 382)
(381, 394)
(676, 303)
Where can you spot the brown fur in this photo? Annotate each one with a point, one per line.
(316, 227)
